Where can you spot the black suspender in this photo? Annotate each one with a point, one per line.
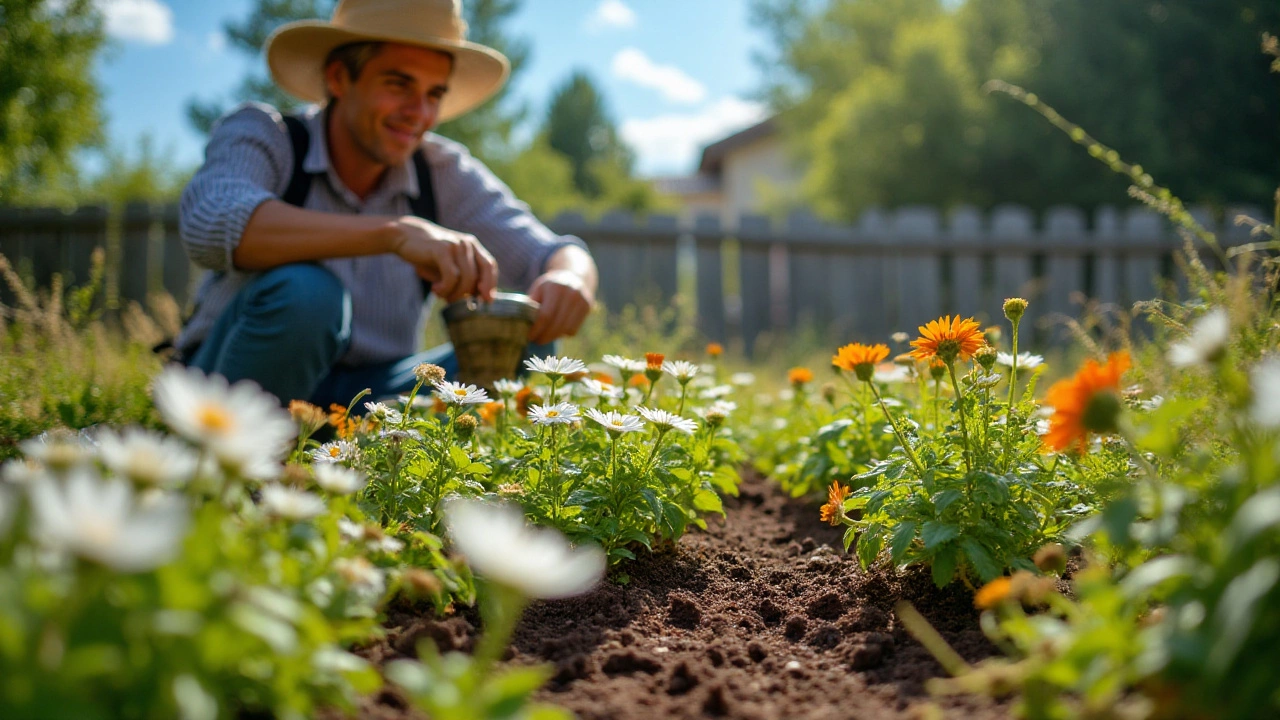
(423, 206)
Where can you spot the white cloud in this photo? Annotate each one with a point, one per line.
(671, 143)
(676, 86)
(215, 41)
(611, 14)
(146, 21)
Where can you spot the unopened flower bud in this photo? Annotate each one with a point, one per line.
(295, 476)
(937, 370)
(829, 392)
(429, 374)
(1014, 308)
(1051, 558)
(465, 426)
(421, 584)
(986, 357)
(715, 418)
(308, 416)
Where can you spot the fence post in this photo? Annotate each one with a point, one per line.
(968, 295)
(1106, 263)
(658, 247)
(1144, 241)
(708, 240)
(919, 273)
(135, 237)
(1013, 230)
(753, 238)
(808, 283)
(872, 283)
(1064, 231)
(176, 268)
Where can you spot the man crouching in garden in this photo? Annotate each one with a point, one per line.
(319, 258)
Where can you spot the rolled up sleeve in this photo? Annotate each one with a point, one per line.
(247, 162)
(471, 199)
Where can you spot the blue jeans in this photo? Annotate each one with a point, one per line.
(287, 329)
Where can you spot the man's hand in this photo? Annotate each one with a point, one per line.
(566, 299)
(455, 263)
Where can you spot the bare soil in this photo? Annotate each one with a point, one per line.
(762, 616)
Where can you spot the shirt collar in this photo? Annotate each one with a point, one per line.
(400, 179)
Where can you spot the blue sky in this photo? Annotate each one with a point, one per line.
(676, 73)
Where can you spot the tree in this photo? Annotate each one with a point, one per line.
(579, 127)
(881, 99)
(48, 102)
(486, 131)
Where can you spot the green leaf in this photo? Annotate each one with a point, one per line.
(622, 552)
(681, 473)
(988, 569)
(934, 533)
(655, 505)
(1234, 617)
(459, 457)
(901, 540)
(944, 565)
(1147, 576)
(870, 544)
(1258, 514)
(944, 499)
(708, 501)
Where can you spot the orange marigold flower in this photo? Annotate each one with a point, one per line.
(603, 378)
(1088, 402)
(993, 593)
(948, 338)
(799, 376)
(489, 412)
(439, 407)
(860, 359)
(638, 381)
(715, 349)
(524, 398)
(654, 360)
(833, 511)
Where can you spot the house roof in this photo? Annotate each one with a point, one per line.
(714, 154)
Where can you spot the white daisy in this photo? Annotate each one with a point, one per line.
(594, 388)
(148, 458)
(558, 414)
(419, 401)
(717, 392)
(23, 471)
(285, 502)
(616, 422)
(742, 379)
(336, 451)
(58, 450)
(1026, 361)
(399, 434)
(537, 562)
(384, 412)
(242, 426)
(349, 529)
(899, 337)
(668, 420)
(507, 388)
(99, 520)
(625, 365)
(1266, 393)
(1154, 403)
(361, 575)
(890, 374)
(681, 370)
(1206, 342)
(724, 407)
(458, 394)
(555, 367)
(339, 479)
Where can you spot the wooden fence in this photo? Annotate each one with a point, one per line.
(892, 270)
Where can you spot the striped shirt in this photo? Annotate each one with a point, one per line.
(249, 160)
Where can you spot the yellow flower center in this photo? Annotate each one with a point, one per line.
(617, 423)
(460, 392)
(334, 452)
(553, 413)
(214, 418)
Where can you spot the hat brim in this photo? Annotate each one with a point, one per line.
(296, 53)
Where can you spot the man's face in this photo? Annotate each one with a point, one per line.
(394, 101)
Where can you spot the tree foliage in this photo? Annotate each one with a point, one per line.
(48, 101)
(882, 101)
(579, 127)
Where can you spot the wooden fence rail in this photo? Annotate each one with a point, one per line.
(890, 271)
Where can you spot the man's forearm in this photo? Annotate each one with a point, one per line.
(575, 260)
(278, 233)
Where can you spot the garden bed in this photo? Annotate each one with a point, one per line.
(760, 617)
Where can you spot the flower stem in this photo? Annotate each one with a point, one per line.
(902, 438)
(684, 389)
(1013, 385)
(964, 430)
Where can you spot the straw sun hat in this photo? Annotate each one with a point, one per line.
(296, 51)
